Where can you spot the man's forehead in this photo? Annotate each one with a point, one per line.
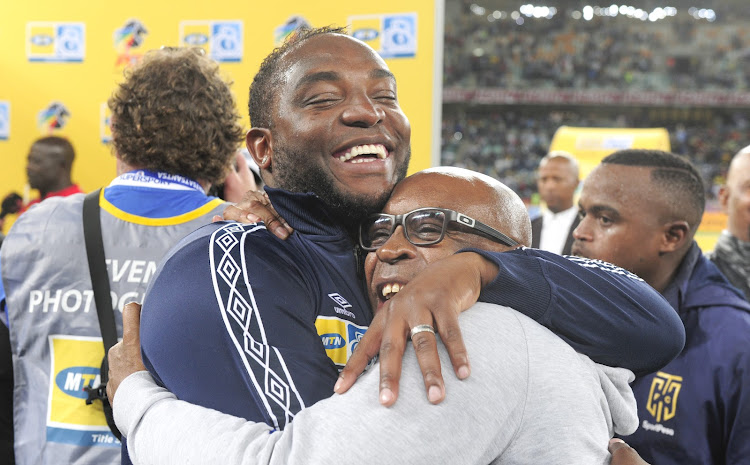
(430, 190)
(332, 53)
(740, 168)
(617, 185)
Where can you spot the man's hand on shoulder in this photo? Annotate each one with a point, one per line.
(254, 207)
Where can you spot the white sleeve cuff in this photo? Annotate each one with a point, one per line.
(135, 395)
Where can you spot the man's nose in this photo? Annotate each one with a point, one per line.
(396, 248)
(582, 231)
(362, 112)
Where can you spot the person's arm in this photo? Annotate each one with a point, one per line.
(214, 305)
(354, 426)
(600, 309)
(502, 411)
(603, 311)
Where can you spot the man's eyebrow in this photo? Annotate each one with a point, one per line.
(318, 77)
(599, 209)
(323, 76)
(379, 73)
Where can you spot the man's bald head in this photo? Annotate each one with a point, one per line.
(480, 196)
(734, 195)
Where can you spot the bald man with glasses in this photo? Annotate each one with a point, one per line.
(531, 398)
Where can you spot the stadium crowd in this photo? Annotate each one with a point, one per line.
(508, 142)
(605, 52)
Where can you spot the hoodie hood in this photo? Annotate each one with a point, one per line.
(621, 407)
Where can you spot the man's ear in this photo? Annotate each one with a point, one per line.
(724, 198)
(675, 234)
(259, 142)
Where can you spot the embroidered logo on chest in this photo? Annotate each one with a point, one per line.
(342, 305)
(662, 397)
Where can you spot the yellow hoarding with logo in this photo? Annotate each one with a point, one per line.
(590, 145)
(61, 61)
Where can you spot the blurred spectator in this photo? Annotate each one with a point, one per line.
(48, 169)
(557, 181)
(732, 252)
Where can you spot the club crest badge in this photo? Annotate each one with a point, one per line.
(662, 397)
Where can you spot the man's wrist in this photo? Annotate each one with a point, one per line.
(486, 267)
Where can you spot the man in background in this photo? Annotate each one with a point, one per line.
(175, 130)
(48, 169)
(732, 252)
(557, 181)
(640, 210)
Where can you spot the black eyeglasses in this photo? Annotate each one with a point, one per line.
(424, 226)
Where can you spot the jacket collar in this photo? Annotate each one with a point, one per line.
(306, 213)
(698, 283)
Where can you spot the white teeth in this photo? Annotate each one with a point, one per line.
(386, 290)
(371, 149)
(389, 290)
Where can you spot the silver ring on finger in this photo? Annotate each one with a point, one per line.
(421, 329)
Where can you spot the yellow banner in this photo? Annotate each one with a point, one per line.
(62, 60)
(590, 145)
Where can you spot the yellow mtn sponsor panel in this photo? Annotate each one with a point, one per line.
(339, 337)
(75, 363)
(56, 42)
(392, 35)
(367, 29)
(221, 40)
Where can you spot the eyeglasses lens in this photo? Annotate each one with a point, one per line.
(425, 227)
(377, 232)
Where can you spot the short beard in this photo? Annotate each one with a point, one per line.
(291, 173)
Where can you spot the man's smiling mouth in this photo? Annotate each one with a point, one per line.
(365, 153)
(390, 289)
